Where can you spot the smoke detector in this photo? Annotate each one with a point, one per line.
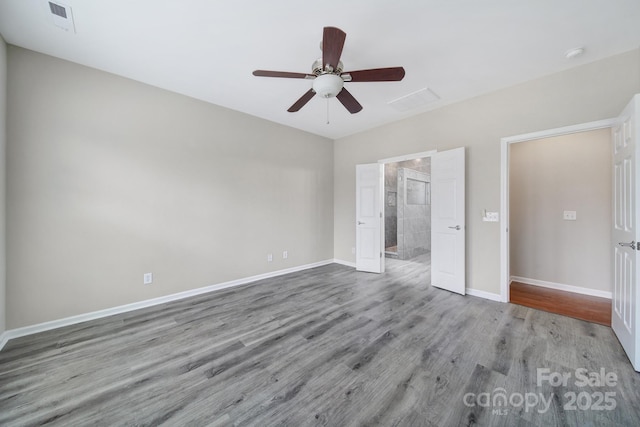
(574, 53)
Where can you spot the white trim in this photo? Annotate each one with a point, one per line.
(566, 130)
(4, 337)
(54, 324)
(504, 219)
(505, 142)
(562, 287)
(408, 157)
(343, 262)
(483, 294)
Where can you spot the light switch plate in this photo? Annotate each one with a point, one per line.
(569, 215)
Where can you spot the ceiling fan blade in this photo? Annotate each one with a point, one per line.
(285, 74)
(332, 43)
(392, 74)
(349, 101)
(302, 101)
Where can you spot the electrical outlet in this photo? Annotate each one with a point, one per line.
(269, 257)
(285, 255)
(491, 217)
(569, 215)
(147, 278)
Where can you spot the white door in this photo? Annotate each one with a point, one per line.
(626, 299)
(369, 223)
(448, 220)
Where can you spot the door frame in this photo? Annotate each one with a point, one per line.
(505, 144)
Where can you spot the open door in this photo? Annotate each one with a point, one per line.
(369, 233)
(626, 299)
(448, 220)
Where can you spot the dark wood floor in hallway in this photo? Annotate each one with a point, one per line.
(584, 307)
(328, 346)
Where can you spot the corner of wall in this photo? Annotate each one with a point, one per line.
(279, 193)
(3, 147)
(638, 57)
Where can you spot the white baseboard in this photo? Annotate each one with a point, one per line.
(483, 294)
(561, 287)
(3, 339)
(347, 263)
(54, 324)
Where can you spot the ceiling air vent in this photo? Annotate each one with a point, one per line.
(414, 100)
(60, 15)
(56, 9)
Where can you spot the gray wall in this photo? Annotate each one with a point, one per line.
(594, 91)
(414, 219)
(391, 185)
(390, 212)
(549, 176)
(109, 179)
(3, 145)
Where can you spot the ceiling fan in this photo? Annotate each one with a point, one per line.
(328, 77)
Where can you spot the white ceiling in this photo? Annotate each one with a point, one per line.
(207, 49)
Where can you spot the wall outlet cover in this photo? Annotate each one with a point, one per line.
(491, 217)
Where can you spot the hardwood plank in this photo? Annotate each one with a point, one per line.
(584, 307)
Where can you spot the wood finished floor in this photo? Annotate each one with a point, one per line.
(328, 346)
(584, 307)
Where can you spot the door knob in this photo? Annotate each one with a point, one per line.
(360, 222)
(631, 245)
(457, 227)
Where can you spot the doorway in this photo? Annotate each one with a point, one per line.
(559, 214)
(448, 224)
(506, 143)
(407, 208)
(372, 198)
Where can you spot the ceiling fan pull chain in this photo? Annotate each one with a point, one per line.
(327, 110)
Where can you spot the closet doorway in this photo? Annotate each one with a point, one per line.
(560, 194)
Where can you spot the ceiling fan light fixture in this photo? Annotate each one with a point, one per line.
(328, 85)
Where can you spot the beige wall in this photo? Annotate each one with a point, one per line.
(109, 179)
(549, 176)
(3, 145)
(591, 92)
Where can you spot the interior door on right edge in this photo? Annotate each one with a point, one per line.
(626, 299)
(448, 220)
